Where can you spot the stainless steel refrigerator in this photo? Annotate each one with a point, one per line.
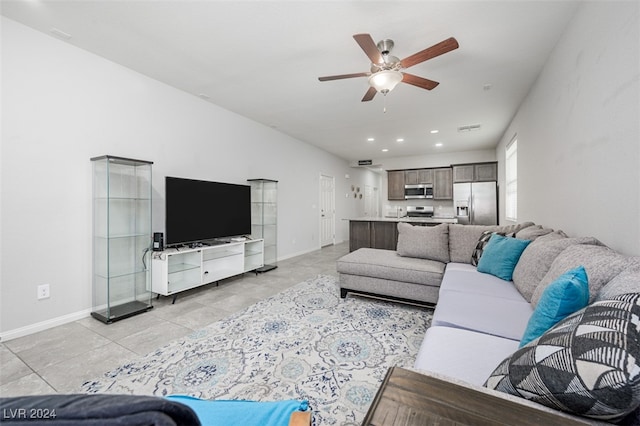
(476, 203)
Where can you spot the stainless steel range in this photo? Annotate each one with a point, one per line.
(420, 211)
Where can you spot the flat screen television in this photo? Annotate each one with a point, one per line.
(198, 210)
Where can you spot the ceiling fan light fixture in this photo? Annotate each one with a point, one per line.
(384, 81)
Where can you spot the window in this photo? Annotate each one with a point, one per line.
(511, 180)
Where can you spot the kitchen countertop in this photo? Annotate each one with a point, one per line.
(405, 219)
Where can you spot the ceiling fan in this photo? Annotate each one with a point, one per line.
(386, 70)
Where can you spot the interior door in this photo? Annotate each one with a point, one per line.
(327, 210)
(371, 201)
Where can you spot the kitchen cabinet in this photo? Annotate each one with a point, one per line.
(384, 235)
(410, 177)
(418, 176)
(486, 172)
(359, 234)
(373, 234)
(480, 172)
(380, 234)
(395, 184)
(442, 184)
(425, 176)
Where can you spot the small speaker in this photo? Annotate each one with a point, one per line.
(158, 241)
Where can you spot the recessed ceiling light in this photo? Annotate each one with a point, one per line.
(433, 132)
(385, 150)
(370, 139)
(439, 144)
(400, 140)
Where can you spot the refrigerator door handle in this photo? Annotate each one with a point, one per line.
(470, 201)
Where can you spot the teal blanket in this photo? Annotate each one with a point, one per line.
(245, 413)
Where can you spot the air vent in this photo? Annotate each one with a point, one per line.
(365, 162)
(469, 128)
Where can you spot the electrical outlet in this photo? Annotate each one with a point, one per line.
(43, 291)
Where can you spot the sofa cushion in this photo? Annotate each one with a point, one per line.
(533, 232)
(463, 240)
(588, 364)
(566, 295)
(501, 255)
(387, 265)
(537, 258)
(600, 262)
(482, 243)
(454, 353)
(627, 281)
(466, 278)
(424, 242)
(483, 313)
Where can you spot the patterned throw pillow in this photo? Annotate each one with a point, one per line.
(482, 241)
(588, 364)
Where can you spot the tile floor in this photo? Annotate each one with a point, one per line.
(60, 359)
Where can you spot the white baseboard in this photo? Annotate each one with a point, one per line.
(44, 325)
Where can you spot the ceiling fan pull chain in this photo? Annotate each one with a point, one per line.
(384, 106)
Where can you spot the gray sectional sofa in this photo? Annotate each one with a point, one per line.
(587, 364)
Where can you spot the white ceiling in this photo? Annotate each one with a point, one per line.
(263, 59)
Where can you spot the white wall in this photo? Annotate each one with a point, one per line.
(61, 106)
(578, 131)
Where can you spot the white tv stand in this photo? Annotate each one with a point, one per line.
(179, 269)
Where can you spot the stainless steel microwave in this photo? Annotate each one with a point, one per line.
(412, 192)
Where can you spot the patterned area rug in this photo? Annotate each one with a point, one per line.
(303, 343)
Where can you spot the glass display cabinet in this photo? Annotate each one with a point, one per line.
(264, 219)
(121, 237)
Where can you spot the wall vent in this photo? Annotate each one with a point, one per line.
(469, 128)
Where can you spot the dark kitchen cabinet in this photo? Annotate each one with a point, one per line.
(442, 184)
(418, 176)
(384, 235)
(425, 176)
(486, 172)
(373, 234)
(480, 172)
(395, 184)
(359, 234)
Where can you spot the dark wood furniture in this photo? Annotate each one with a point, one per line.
(408, 398)
(441, 178)
(376, 234)
(478, 172)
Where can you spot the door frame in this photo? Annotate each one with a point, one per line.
(321, 206)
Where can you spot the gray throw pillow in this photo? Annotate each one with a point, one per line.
(586, 365)
(532, 232)
(601, 263)
(537, 258)
(424, 242)
(627, 281)
(463, 240)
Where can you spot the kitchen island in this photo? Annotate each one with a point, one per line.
(382, 232)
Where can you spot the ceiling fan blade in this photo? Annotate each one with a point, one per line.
(414, 80)
(341, 76)
(430, 52)
(369, 46)
(370, 94)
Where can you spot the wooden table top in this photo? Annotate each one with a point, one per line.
(407, 398)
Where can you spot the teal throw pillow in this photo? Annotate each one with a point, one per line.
(567, 294)
(501, 255)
